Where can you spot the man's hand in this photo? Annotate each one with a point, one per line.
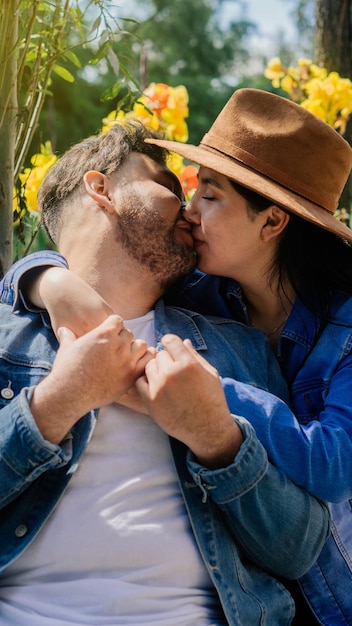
(185, 397)
(88, 372)
(132, 400)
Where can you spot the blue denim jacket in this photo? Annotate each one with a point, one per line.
(251, 523)
(313, 442)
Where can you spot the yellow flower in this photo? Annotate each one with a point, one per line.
(317, 72)
(31, 178)
(328, 96)
(164, 109)
(18, 212)
(175, 163)
(111, 119)
(304, 62)
(288, 84)
(315, 106)
(275, 70)
(145, 114)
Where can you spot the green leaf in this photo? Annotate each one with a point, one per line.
(95, 25)
(101, 53)
(128, 75)
(114, 61)
(71, 56)
(111, 92)
(63, 73)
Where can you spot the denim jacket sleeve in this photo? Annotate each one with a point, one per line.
(10, 285)
(322, 447)
(278, 524)
(24, 454)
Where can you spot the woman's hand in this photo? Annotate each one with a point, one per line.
(69, 300)
(184, 395)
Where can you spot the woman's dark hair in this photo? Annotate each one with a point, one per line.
(313, 259)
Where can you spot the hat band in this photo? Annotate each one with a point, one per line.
(211, 144)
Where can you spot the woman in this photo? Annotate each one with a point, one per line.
(269, 183)
(270, 178)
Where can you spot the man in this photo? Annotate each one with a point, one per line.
(97, 525)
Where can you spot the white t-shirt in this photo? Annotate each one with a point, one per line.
(118, 549)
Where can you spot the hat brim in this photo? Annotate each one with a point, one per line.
(242, 174)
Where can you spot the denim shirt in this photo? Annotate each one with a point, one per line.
(251, 523)
(312, 443)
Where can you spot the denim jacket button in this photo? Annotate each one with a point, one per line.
(21, 530)
(7, 393)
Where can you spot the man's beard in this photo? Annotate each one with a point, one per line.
(150, 241)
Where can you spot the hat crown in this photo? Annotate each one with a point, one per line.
(278, 139)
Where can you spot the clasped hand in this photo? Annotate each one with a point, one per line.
(183, 393)
(177, 387)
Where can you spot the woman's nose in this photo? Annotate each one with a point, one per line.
(191, 213)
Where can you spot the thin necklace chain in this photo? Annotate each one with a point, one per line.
(274, 330)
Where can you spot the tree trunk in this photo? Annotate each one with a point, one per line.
(333, 35)
(333, 45)
(8, 119)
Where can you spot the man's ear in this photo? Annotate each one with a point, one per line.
(97, 187)
(276, 222)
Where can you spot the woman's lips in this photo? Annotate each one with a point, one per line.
(197, 243)
(186, 229)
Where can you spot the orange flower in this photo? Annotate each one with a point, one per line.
(164, 109)
(189, 180)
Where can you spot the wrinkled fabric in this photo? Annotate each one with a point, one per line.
(251, 523)
(312, 443)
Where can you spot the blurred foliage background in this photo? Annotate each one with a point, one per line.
(173, 42)
(75, 61)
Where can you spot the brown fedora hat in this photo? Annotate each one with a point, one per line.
(275, 147)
